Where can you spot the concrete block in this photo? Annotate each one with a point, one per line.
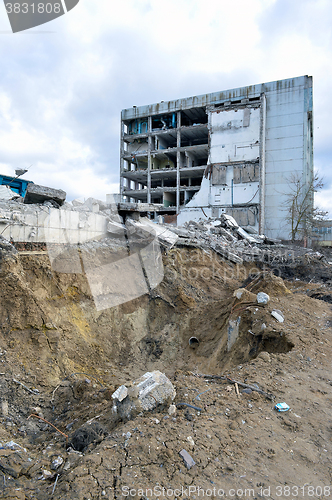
(144, 394)
(39, 194)
(77, 203)
(262, 298)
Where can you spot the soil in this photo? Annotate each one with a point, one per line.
(61, 359)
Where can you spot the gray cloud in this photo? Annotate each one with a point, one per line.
(65, 92)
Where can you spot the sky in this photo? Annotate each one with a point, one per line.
(63, 84)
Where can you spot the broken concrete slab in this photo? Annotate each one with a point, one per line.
(164, 234)
(120, 393)
(139, 207)
(224, 252)
(241, 232)
(229, 221)
(39, 194)
(188, 460)
(144, 394)
(115, 228)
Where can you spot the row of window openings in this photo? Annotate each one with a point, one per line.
(186, 182)
(163, 122)
(141, 146)
(322, 230)
(168, 200)
(156, 164)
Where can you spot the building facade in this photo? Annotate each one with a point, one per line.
(232, 152)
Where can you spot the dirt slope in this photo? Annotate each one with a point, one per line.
(71, 357)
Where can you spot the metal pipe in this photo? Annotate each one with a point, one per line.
(193, 342)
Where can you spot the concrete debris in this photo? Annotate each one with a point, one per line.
(246, 236)
(6, 245)
(120, 393)
(188, 460)
(262, 298)
(164, 234)
(278, 315)
(57, 462)
(7, 194)
(172, 410)
(45, 218)
(40, 194)
(144, 394)
(115, 229)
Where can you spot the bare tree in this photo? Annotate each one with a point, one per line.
(302, 215)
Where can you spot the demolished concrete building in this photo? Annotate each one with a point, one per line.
(231, 152)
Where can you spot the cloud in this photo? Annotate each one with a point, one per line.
(61, 93)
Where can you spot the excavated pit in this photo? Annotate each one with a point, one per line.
(54, 316)
(63, 358)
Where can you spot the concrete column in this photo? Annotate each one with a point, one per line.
(149, 159)
(178, 145)
(262, 166)
(121, 159)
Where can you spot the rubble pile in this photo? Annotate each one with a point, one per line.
(225, 237)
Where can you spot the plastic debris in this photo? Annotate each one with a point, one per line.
(191, 441)
(278, 315)
(282, 407)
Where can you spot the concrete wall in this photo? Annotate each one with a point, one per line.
(37, 224)
(234, 134)
(288, 148)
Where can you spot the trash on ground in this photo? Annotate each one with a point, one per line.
(278, 315)
(282, 407)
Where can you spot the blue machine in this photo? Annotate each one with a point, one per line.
(15, 184)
